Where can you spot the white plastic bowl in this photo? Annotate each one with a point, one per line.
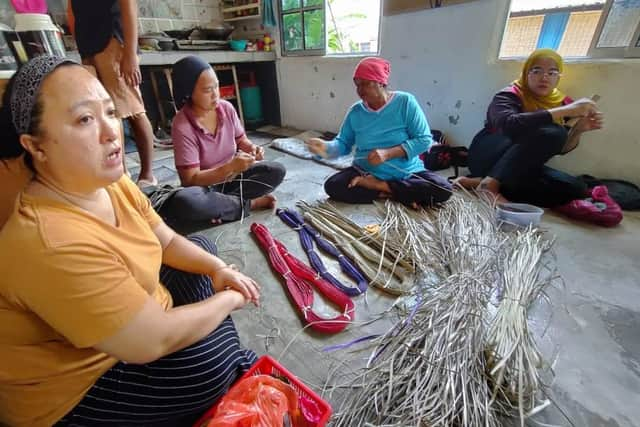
(520, 214)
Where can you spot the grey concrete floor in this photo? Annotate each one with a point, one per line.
(592, 328)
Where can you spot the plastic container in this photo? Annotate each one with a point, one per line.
(520, 214)
(228, 91)
(39, 35)
(238, 45)
(268, 366)
(251, 103)
(8, 49)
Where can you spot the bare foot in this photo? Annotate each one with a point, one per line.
(264, 202)
(466, 182)
(370, 182)
(491, 187)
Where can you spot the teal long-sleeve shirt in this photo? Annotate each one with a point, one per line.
(399, 122)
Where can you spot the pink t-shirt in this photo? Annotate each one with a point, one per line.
(195, 146)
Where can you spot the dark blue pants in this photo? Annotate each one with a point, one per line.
(519, 165)
(178, 388)
(424, 188)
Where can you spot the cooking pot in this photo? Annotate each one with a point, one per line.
(216, 32)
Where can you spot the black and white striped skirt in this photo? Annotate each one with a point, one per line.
(175, 389)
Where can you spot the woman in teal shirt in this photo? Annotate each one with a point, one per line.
(388, 131)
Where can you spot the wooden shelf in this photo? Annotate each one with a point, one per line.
(229, 13)
(243, 7)
(238, 18)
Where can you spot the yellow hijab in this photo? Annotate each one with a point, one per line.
(531, 101)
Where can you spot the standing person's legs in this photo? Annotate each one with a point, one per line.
(260, 179)
(176, 386)
(422, 188)
(128, 102)
(143, 133)
(337, 187)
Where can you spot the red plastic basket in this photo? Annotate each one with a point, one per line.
(228, 91)
(268, 366)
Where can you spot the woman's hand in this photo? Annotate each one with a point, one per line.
(317, 146)
(237, 299)
(589, 123)
(229, 278)
(583, 107)
(130, 69)
(242, 161)
(377, 156)
(257, 152)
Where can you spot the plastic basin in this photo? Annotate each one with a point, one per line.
(520, 214)
(238, 45)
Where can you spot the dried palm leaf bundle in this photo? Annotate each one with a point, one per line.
(454, 359)
(513, 358)
(383, 266)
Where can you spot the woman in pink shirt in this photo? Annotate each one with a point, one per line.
(225, 175)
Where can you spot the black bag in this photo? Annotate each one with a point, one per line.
(625, 193)
(441, 155)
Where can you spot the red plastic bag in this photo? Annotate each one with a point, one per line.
(257, 401)
(599, 209)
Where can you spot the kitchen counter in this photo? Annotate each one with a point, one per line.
(170, 57)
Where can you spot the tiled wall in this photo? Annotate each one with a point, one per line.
(56, 9)
(159, 15)
(153, 15)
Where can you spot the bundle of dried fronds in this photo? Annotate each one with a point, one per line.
(514, 361)
(382, 263)
(431, 368)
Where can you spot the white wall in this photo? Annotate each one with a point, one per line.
(446, 57)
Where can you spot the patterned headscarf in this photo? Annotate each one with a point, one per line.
(531, 101)
(26, 86)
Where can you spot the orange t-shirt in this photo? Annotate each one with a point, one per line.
(14, 176)
(69, 281)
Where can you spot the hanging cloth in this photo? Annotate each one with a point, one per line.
(268, 17)
(299, 279)
(307, 235)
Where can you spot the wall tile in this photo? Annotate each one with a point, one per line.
(171, 9)
(145, 8)
(56, 6)
(188, 12)
(6, 13)
(164, 24)
(148, 25)
(201, 13)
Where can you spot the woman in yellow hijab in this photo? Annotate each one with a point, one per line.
(527, 124)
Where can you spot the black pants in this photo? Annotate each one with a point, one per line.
(423, 188)
(177, 388)
(519, 165)
(229, 201)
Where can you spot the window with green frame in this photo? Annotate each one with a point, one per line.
(302, 27)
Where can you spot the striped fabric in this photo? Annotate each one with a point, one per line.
(177, 387)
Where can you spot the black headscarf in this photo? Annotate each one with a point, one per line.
(184, 77)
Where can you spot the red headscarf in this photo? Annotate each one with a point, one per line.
(374, 69)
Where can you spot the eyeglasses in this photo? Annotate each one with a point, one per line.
(539, 72)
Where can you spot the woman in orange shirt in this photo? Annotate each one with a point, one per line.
(107, 317)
